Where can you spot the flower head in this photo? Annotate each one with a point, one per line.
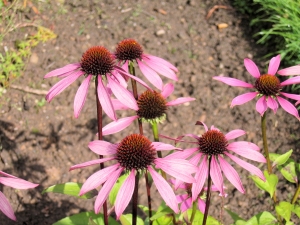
(213, 146)
(267, 87)
(135, 153)
(97, 62)
(152, 107)
(130, 50)
(14, 182)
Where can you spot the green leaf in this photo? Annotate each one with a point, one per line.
(84, 218)
(262, 219)
(91, 222)
(199, 218)
(70, 188)
(127, 220)
(289, 171)
(268, 186)
(237, 220)
(115, 190)
(282, 158)
(284, 209)
(273, 156)
(145, 209)
(296, 210)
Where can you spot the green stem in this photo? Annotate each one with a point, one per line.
(208, 193)
(296, 195)
(193, 212)
(135, 199)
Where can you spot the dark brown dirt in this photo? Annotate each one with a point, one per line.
(41, 143)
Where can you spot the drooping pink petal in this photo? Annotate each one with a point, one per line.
(247, 166)
(200, 177)
(201, 205)
(167, 90)
(104, 192)
(178, 168)
(118, 105)
(293, 80)
(125, 194)
(105, 100)
(251, 68)
(122, 94)
(182, 154)
(233, 82)
(241, 99)
(272, 104)
(288, 107)
(89, 163)
(7, 175)
(248, 153)
(180, 101)
(216, 174)
(17, 183)
(6, 208)
(293, 70)
(80, 96)
(164, 190)
(125, 66)
(101, 147)
(161, 61)
(119, 78)
(291, 96)
(261, 105)
(98, 178)
(234, 134)
(161, 69)
(243, 144)
(274, 65)
(202, 124)
(63, 70)
(160, 146)
(181, 198)
(62, 85)
(231, 174)
(116, 126)
(185, 205)
(151, 75)
(195, 159)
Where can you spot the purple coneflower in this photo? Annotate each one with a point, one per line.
(213, 145)
(130, 50)
(134, 154)
(99, 63)
(152, 106)
(14, 182)
(268, 87)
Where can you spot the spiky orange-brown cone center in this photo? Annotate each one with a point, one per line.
(268, 85)
(213, 142)
(129, 49)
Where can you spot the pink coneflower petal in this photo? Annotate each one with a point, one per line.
(181, 198)
(195, 159)
(161, 61)
(180, 101)
(234, 134)
(231, 174)
(246, 152)
(216, 174)
(119, 78)
(62, 85)
(6, 208)
(233, 82)
(103, 147)
(122, 94)
(291, 96)
(105, 100)
(293, 80)
(241, 99)
(201, 205)
(200, 177)
(89, 163)
(243, 144)
(251, 68)
(261, 105)
(178, 168)
(80, 96)
(98, 178)
(185, 205)
(160, 146)
(17, 183)
(167, 90)
(118, 105)
(182, 154)
(7, 175)
(104, 192)
(117, 126)
(293, 70)
(63, 70)
(125, 194)
(274, 65)
(202, 124)
(288, 107)
(164, 189)
(247, 166)
(151, 75)
(125, 66)
(272, 104)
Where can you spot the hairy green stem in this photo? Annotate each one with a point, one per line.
(208, 193)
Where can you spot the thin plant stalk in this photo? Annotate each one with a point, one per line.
(193, 212)
(100, 137)
(295, 197)
(135, 199)
(148, 187)
(208, 193)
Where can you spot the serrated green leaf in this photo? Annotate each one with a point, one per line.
(296, 210)
(115, 190)
(289, 172)
(284, 209)
(262, 219)
(127, 220)
(282, 158)
(84, 218)
(71, 189)
(237, 219)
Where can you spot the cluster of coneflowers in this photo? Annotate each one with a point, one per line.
(136, 155)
